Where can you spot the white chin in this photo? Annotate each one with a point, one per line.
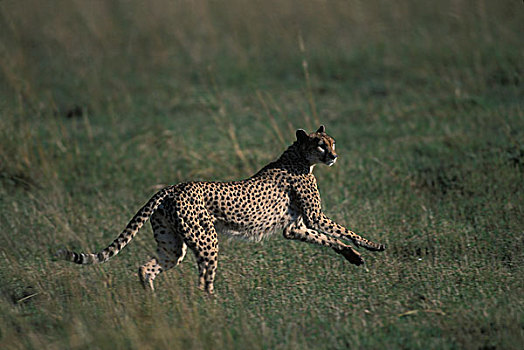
(331, 162)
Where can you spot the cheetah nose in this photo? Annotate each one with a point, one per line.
(333, 156)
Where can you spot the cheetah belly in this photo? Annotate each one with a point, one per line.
(253, 217)
(255, 231)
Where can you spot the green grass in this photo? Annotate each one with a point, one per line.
(103, 103)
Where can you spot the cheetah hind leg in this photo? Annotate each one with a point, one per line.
(205, 248)
(169, 256)
(147, 274)
(199, 234)
(171, 250)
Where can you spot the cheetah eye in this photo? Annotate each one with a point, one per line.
(333, 147)
(320, 149)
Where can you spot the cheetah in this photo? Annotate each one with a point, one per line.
(282, 196)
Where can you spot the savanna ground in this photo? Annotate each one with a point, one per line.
(102, 103)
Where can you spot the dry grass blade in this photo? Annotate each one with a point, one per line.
(309, 89)
(416, 312)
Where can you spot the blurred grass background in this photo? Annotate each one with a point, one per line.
(102, 103)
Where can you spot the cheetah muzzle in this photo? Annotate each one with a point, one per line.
(282, 196)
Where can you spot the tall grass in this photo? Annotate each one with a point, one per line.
(102, 103)
(91, 53)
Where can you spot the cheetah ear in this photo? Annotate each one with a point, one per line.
(322, 129)
(302, 135)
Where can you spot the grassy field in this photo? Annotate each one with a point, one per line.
(103, 103)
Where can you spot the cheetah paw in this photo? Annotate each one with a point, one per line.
(350, 255)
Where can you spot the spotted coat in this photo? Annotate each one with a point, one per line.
(281, 196)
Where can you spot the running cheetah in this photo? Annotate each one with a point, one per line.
(281, 196)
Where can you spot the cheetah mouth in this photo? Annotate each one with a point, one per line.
(330, 162)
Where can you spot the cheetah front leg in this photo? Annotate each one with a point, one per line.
(308, 201)
(319, 221)
(299, 231)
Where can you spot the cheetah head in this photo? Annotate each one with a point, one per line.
(317, 147)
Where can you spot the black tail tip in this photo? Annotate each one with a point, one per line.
(60, 254)
(64, 254)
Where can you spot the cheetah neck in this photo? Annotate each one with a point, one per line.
(291, 160)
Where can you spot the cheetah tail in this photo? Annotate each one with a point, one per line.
(123, 239)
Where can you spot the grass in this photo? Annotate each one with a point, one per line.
(103, 103)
